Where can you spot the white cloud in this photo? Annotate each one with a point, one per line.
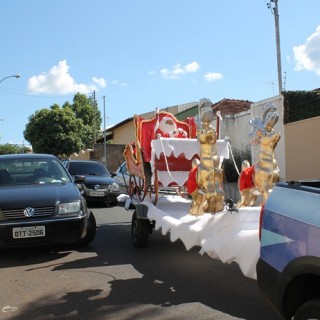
(100, 82)
(288, 58)
(213, 76)
(179, 70)
(192, 67)
(58, 81)
(118, 83)
(307, 56)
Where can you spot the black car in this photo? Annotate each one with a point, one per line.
(98, 184)
(40, 204)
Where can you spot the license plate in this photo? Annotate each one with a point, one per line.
(96, 194)
(29, 232)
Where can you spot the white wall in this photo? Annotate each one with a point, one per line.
(237, 128)
(302, 149)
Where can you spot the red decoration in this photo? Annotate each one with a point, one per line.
(246, 178)
(192, 180)
(148, 129)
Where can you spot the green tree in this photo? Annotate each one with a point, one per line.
(13, 148)
(65, 130)
(55, 130)
(86, 109)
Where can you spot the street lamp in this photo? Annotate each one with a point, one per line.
(13, 76)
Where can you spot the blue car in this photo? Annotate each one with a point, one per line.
(288, 270)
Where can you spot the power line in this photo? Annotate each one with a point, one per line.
(30, 95)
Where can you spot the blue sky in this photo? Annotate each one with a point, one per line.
(147, 54)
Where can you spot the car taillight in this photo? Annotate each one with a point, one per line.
(261, 218)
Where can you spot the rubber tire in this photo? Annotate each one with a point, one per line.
(110, 203)
(140, 230)
(91, 231)
(310, 310)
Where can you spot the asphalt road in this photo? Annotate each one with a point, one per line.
(110, 279)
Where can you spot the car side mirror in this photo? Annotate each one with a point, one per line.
(79, 179)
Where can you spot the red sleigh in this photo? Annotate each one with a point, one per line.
(160, 161)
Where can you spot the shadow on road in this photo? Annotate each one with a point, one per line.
(169, 276)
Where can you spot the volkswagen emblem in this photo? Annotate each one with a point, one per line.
(28, 212)
(97, 187)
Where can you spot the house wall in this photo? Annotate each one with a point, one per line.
(114, 155)
(302, 149)
(82, 155)
(173, 109)
(237, 128)
(124, 134)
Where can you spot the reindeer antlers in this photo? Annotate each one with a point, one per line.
(270, 117)
(206, 113)
(266, 124)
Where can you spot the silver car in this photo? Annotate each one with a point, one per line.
(122, 176)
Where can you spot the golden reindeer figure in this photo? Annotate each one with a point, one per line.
(208, 195)
(260, 178)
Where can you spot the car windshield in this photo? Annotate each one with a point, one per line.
(35, 171)
(123, 168)
(88, 168)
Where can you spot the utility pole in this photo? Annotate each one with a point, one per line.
(104, 131)
(94, 117)
(275, 12)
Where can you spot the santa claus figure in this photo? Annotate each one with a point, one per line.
(168, 129)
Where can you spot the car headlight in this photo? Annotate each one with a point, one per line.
(80, 187)
(114, 187)
(70, 207)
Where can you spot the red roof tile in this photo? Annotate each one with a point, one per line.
(231, 106)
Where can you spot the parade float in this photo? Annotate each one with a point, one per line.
(176, 185)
